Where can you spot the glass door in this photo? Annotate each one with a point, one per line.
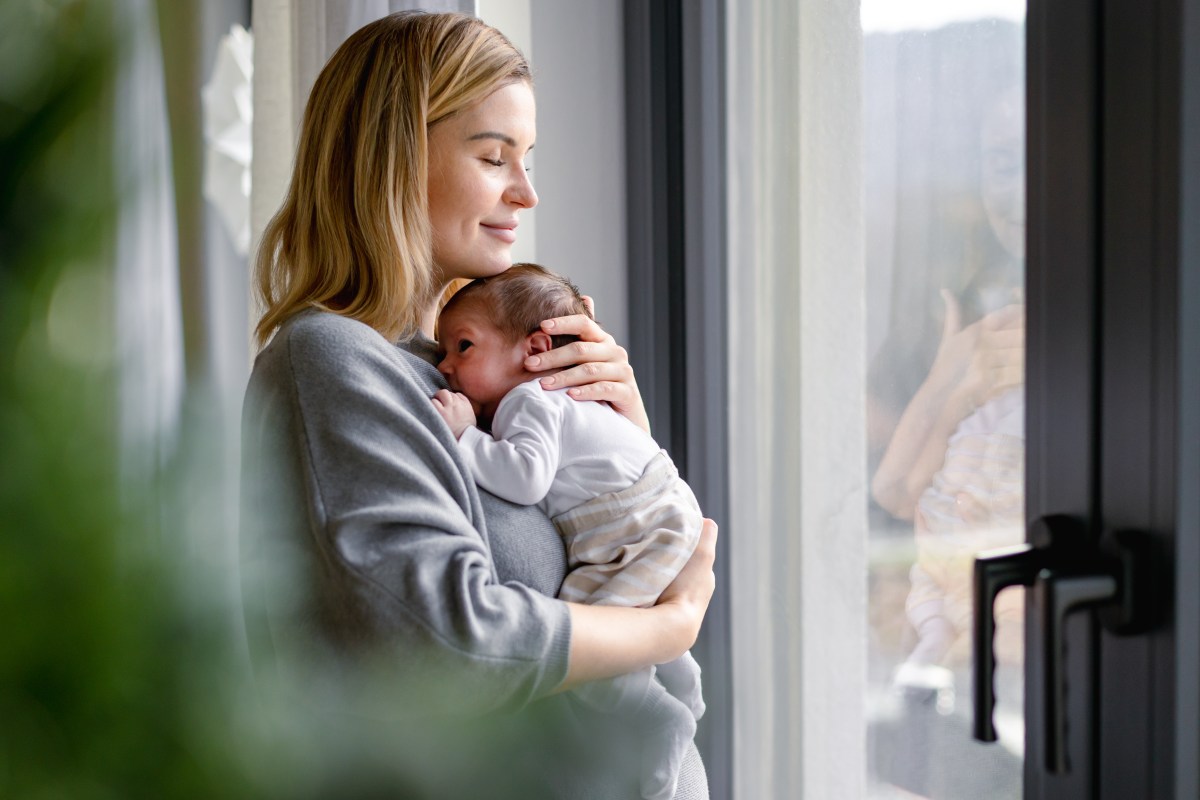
(944, 176)
(958, 255)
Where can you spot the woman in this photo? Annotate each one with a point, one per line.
(954, 467)
(409, 176)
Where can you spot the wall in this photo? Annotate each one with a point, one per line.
(579, 162)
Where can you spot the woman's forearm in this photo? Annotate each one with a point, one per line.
(889, 485)
(917, 447)
(931, 458)
(607, 641)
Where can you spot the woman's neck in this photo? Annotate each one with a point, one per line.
(429, 317)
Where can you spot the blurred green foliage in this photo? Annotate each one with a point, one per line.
(107, 670)
(124, 670)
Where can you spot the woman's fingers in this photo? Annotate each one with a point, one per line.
(696, 582)
(1010, 316)
(580, 353)
(1001, 352)
(706, 548)
(577, 325)
(596, 366)
(589, 369)
(590, 372)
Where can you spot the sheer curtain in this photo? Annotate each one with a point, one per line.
(149, 322)
(797, 464)
(181, 290)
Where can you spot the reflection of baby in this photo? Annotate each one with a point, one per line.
(974, 503)
(630, 523)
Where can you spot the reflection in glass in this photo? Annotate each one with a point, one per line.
(945, 164)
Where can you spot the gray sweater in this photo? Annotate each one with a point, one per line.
(421, 597)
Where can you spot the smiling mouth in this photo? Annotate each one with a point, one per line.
(504, 234)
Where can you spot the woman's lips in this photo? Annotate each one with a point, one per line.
(505, 233)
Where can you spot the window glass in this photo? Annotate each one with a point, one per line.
(944, 207)
(876, 286)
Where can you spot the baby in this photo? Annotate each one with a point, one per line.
(629, 521)
(974, 503)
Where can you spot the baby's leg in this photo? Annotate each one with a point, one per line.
(681, 677)
(667, 725)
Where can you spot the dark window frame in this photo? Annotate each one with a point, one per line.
(1112, 370)
(675, 117)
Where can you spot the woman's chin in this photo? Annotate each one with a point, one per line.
(491, 264)
(489, 269)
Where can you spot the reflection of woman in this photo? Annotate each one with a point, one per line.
(955, 462)
(978, 361)
(954, 465)
(410, 174)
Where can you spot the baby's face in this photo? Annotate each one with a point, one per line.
(479, 360)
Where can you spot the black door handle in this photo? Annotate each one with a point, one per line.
(1059, 595)
(1068, 572)
(995, 570)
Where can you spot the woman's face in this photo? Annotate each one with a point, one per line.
(478, 184)
(1002, 180)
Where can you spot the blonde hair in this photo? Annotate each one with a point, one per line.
(353, 234)
(517, 300)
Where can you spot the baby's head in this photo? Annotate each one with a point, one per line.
(493, 324)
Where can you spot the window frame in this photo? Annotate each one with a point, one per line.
(676, 156)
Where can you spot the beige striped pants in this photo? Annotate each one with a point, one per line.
(623, 548)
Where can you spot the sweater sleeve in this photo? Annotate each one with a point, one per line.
(520, 459)
(398, 564)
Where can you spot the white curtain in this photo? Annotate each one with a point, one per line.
(149, 325)
(179, 400)
(797, 451)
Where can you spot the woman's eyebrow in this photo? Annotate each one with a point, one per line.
(502, 137)
(508, 140)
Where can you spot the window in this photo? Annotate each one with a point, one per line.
(876, 159)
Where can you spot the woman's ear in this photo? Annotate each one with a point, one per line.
(538, 342)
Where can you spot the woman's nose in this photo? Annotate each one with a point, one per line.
(521, 192)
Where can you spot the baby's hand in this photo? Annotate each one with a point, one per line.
(456, 409)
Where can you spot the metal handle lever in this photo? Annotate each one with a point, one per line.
(1059, 595)
(1069, 571)
(995, 570)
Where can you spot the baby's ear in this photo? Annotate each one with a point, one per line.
(538, 342)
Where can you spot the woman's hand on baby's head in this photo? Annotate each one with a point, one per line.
(595, 367)
(456, 409)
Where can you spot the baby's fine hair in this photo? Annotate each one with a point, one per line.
(517, 300)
